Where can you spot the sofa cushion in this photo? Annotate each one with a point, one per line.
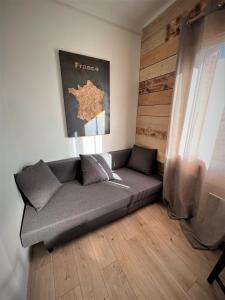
(72, 205)
(69, 169)
(120, 158)
(65, 169)
(141, 185)
(142, 159)
(38, 184)
(96, 168)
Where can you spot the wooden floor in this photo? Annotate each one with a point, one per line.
(142, 256)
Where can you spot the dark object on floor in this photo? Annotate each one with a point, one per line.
(76, 209)
(214, 275)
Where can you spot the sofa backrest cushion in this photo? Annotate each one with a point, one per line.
(120, 158)
(70, 169)
(142, 160)
(65, 169)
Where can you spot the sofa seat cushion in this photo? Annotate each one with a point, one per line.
(72, 205)
(141, 185)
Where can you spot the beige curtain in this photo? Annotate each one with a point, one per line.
(194, 179)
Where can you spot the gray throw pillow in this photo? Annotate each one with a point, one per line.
(96, 168)
(38, 184)
(142, 160)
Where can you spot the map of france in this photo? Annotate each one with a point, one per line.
(90, 99)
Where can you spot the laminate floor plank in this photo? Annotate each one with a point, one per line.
(173, 237)
(74, 294)
(65, 273)
(103, 252)
(39, 257)
(166, 255)
(91, 281)
(201, 290)
(117, 283)
(42, 283)
(162, 278)
(144, 255)
(135, 269)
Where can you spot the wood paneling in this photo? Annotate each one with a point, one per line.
(155, 128)
(163, 67)
(155, 122)
(160, 53)
(154, 41)
(153, 132)
(160, 43)
(162, 97)
(159, 83)
(154, 110)
(178, 8)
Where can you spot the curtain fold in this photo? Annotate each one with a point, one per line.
(194, 178)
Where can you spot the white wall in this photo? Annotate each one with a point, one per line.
(32, 116)
(35, 31)
(13, 259)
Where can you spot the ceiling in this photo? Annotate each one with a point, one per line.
(129, 14)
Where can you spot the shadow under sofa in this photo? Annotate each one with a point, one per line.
(76, 209)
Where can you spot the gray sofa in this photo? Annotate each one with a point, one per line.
(75, 209)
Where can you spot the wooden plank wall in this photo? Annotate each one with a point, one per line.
(160, 41)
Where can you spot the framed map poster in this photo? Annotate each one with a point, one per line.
(86, 92)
